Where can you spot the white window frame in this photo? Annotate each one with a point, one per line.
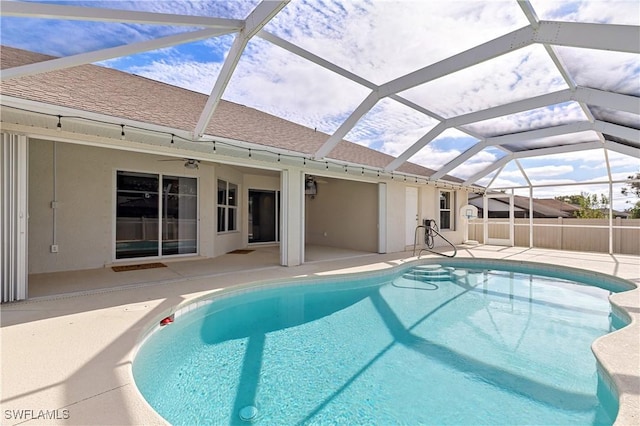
(451, 210)
(228, 208)
(114, 215)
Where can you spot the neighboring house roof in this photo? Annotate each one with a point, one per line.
(521, 203)
(542, 207)
(495, 205)
(616, 213)
(559, 205)
(115, 93)
(572, 208)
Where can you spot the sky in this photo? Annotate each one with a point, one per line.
(381, 40)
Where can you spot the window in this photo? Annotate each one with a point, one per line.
(155, 215)
(227, 206)
(446, 210)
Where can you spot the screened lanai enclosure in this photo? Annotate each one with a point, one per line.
(525, 98)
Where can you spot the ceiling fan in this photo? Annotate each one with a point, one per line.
(189, 163)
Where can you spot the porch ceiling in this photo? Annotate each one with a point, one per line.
(541, 81)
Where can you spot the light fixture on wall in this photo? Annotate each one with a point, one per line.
(191, 163)
(59, 126)
(122, 132)
(310, 186)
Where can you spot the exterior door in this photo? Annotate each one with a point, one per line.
(498, 231)
(411, 214)
(263, 216)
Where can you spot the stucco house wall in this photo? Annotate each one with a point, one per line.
(344, 213)
(85, 193)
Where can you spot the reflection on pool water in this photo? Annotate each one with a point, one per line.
(431, 344)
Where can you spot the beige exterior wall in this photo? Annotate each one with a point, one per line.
(346, 210)
(85, 217)
(343, 214)
(429, 203)
(428, 208)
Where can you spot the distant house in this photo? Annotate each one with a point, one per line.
(569, 208)
(499, 208)
(542, 208)
(616, 214)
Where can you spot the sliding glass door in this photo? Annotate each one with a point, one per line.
(139, 223)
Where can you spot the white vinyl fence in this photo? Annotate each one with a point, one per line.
(568, 234)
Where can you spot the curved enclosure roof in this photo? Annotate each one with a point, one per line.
(502, 93)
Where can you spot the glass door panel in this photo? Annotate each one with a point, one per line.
(262, 216)
(179, 215)
(136, 215)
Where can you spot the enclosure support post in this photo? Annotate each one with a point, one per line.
(292, 218)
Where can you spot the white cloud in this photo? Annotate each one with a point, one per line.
(500, 182)
(278, 82)
(192, 75)
(554, 115)
(435, 158)
(604, 70)
(520, 74)
(533, 172)
(588, 156)
(383, 40)
(598, 11)
(391, 126)
(624, 162)
(479, 162)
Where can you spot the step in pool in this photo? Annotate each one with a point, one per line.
(432, 272)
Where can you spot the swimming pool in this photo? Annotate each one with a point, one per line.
(459, 343)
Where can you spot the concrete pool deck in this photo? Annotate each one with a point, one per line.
(67, 358)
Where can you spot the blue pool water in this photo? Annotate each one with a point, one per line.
(422, 346)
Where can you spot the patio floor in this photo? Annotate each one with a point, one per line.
(68, 351)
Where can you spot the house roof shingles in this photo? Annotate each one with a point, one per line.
(559, 205)
(115, 93)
